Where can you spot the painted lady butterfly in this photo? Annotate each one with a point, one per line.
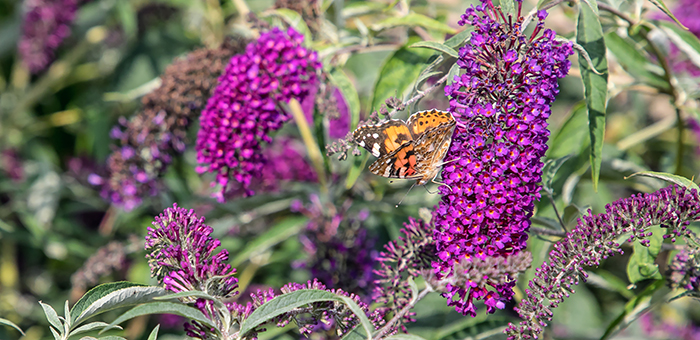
(411, 150)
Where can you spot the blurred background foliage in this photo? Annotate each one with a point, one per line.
(55, 127)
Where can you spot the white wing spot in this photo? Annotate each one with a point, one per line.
(375, 135)
(362, 144)
(375, 150)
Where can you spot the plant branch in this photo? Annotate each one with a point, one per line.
(389, 325)
(420, 94)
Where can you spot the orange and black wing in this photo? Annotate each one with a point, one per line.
(422, 121)
(399, 164)
(384, 138)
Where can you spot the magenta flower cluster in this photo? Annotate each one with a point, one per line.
(46, 24)
(502, 102)
(181, 254)
(244, 108)
(594, 239)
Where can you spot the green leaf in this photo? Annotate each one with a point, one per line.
(11, 324)
(108, 337)
(641, 265)
(662, 6)
(632, 307)
(112, 295)
(590, 36)
(684, 40)
(359, 313)
(358, 164)
(634, 62)
(127, 18)
(413, 19)
(343, 83)
(52, 316)
(154, 333)
(401, 336)
(176, 308)
(280, 232)
(89, 327)
(458, 39)
(357, 333)
(454, 71)
(398, 73)
(295, 20)
(508, 6)
(610, 281)
(357, 8)
(285, 303)
(675, 179)
(438, 47)
(550, 170)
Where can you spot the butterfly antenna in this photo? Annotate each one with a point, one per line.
(406, 194)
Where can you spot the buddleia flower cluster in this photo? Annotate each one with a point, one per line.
(684, 270)
(182, 256)
(147, 142)
(245, 107)
(45, 25)
(502, 102)
(596, 238)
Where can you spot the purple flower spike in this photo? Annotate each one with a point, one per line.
(46, 24)
(181, 255)
(594, 239)
(244, 108)
(503, 102)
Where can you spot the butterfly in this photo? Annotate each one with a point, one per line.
(410, 150)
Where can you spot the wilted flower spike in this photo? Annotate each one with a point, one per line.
(244, 108)
(492, 180)
(593, 240)
(181, 254)
(148, 141)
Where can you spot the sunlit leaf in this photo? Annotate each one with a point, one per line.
(113, 295)
(413, 19)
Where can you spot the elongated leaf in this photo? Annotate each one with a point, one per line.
(409, 336)
(590, 36)
(164, 308)
(413, 19)
(359, 313)
(113, 295)
(343, 83)
(550, 170)
(106, 337)
(682, 181)
(634, 62)
(631, 306)
(357, 8)
(358, 164)
(460, 38)
(357, 333)
(437, 46)
(278, 233)
(154, 333)
(295, 20)
(399, 73)
(11, 324)
(287, 302)
(684, 40)
(454, 71)
(52, 316)
(662, 6)
(89, 327)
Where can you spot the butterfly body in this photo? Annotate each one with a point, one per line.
(409, 150)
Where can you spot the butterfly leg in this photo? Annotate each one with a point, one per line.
(441, 183)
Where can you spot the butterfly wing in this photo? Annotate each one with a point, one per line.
(384, 138)
(401, 163)
(422, 121)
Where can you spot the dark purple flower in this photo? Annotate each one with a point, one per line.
(340, 250)
(45, 25)
(595, 239)
(244, 108)
(286, 162)
(494, 164)
(148, 141)
(684, 270)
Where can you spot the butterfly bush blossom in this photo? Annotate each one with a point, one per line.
(244, 108)
(502, 101)
(594, 239)
(46, 24)
(181, 255)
